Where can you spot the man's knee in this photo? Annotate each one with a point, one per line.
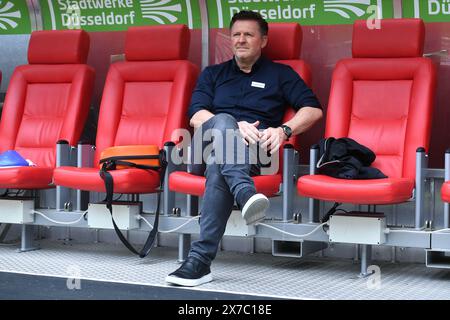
(224, 121)
(213, 171)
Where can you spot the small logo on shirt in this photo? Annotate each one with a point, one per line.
(258, 84)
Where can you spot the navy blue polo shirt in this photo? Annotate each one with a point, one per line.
(263, 94)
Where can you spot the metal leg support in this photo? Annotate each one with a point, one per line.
(447, 178)
(169, 197)
(27, 239)
(366, 257)
(420, 187)
(288, 181)
(446, 213)
(394, 223)
(313, 203)
(85, 159)
(64, 157)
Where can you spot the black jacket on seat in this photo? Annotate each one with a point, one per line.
(345, 158)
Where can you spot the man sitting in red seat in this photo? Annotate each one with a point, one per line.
(248, 96)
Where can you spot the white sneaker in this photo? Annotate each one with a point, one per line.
(255, 208)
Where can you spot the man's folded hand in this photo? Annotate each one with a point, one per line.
(249, 131)
(272, 139)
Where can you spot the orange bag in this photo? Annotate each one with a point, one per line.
(123, 157)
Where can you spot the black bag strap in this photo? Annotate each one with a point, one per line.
(330, 212)
(110, 164)
(139, 157)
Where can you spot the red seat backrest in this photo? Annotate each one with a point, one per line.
(284, 46)
(48, 99)
(146, 97)
(383, 96)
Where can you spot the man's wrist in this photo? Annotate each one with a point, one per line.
(286, 130)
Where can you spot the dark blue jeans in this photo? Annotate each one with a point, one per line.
(225, 181)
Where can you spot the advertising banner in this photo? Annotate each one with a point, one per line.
(305, 12)
(116, 15)
(14, 17)
(428, 10)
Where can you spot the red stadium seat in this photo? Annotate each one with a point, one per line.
(284, 46)
(445, 190)
(47, 101)
(145, 99)
(382, 98)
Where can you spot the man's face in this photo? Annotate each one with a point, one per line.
(247, 40)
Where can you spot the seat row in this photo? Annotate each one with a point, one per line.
(382, 97)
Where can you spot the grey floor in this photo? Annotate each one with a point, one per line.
(236, 275)
(17, 286)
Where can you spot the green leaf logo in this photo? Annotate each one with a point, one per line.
(344, 7)
(7, 15)
(160, 10)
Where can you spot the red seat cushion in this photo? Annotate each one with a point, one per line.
(26, 178)
(445, 192)
(125, 181)
(187, 183)
(376, 191)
